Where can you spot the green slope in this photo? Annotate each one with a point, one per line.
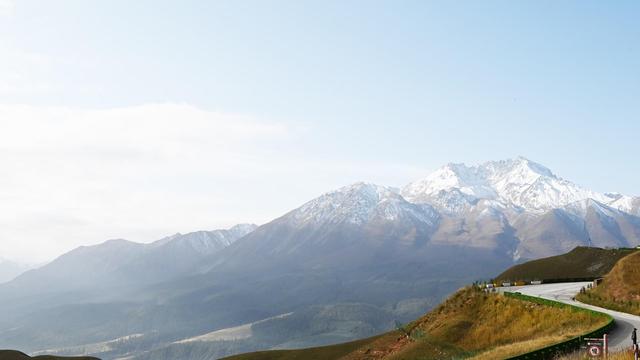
(579, 263)
(470, 324)
(315, 353)
(17, 355)
(620, 289)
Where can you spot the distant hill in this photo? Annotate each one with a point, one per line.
(308, 327)
(620, 289)
(339, 263)
(17, 355)
(470, 324)
(95, 294)
(119, 262)
(580, 263)
(10, 269)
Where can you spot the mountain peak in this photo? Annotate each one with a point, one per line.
(518, 183)
(517, 167)
(362, 186)
(113, 243)
(243, 227)
(205, 242)
(533, 166)
(357, 203)
(451, 187)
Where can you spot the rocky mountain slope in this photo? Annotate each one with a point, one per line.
(99, 285)
(522, 208)
(362, 246)
(520, 184)
(119, 262)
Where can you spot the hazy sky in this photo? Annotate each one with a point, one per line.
(139, 119)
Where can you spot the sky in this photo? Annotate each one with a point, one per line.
(140, 119)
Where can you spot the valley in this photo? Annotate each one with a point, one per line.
(470, 324)
(318, 180)
(346, 265)
(480, 323)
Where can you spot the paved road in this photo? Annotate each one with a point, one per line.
(620, 336)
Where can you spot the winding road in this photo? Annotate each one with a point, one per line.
(620, 336)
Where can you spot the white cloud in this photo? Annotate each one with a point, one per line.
(70, 177)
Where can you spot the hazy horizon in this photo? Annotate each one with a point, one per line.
(155, 118)
(160, 236)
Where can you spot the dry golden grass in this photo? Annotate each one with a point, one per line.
(488, 320)
(521, 347)
(470, 324)
(623, 355)
(381, 348)
(620, 289)
(477, 325)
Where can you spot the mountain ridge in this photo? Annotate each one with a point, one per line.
(9, 269)
(359, 244)
(119, 261)
(520, 183)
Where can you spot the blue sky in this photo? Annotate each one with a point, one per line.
(326, 93)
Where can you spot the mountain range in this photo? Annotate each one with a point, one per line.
(10, 269)
(383, 254)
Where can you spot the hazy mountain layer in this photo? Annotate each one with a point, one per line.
(10, 269)
(362, 244)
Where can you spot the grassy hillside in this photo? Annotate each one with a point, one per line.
(579, 263)
(620, 289)
(470, 324)
(307, 327)
(17, 355)
(581, 355)
(315, 353)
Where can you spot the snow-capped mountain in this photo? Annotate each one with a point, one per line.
(361, 203)
(122, 262)
(517, 208)
(520, 184)
(535, 212)
(363, 243)
(205, 242)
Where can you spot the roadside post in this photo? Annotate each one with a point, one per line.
(634, 339)
(598, 347)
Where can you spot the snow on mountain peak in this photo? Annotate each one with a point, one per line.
(520, 164)
(359, 203)
(468, 182)
(494, 188)
(241, 230)
(519, 183)
(206, 242)
(581, 208)
(352, 203)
